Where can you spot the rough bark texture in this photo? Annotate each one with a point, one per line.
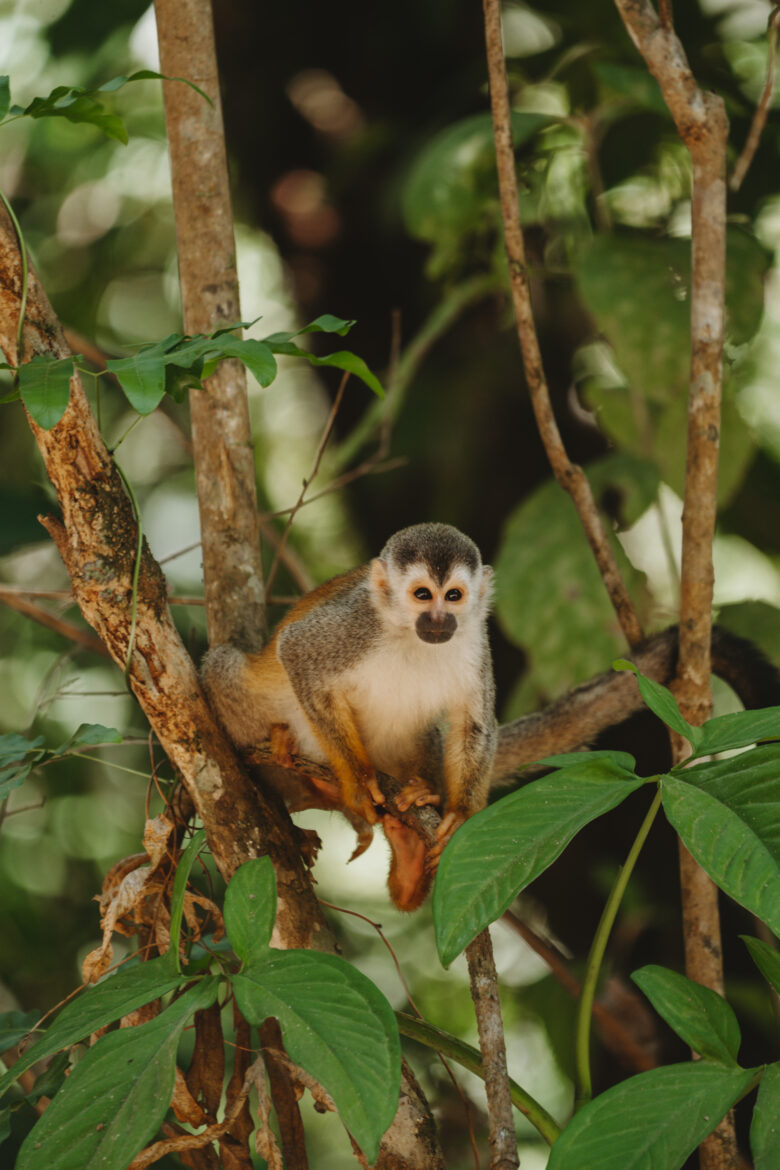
(222, 440)
(701, 122)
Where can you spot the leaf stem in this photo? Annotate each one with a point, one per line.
(596, 956)
(469, 1058)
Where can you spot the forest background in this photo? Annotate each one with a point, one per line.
(363, 185)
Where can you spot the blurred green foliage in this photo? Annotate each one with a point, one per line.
(363, 187)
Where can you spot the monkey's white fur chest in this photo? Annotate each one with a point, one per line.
(403, 688)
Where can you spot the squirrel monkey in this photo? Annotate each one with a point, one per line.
(386, 668)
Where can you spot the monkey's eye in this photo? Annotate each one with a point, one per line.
(453, 595)
(423, 594)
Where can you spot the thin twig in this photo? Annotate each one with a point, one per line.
(764, 104)
(10, 598)
(326, 433)
(569, 475)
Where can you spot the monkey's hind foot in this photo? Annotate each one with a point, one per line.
(449, 823)
(417, 792)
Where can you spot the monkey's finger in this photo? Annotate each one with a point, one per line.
(416, 792)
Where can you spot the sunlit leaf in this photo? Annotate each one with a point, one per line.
(498, 852)
(142, 377)
(255, 355)
(699, 1016)
(116, 1096)
(89, 735)
(653, 1120)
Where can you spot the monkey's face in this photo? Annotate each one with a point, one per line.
(434, 605)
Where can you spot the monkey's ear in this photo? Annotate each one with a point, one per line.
(486, 585)
(379, 580)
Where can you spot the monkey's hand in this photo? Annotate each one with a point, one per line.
(417, 792)
(449, 823)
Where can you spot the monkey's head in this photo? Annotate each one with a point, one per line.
(430, 579)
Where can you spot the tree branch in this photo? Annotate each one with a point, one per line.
(222, 439)
(701, 122)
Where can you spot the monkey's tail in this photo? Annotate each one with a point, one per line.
(573, 721)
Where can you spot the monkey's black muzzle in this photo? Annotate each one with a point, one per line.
(436, 629)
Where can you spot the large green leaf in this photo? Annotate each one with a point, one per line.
(638, 290)
(14, 1026)
(250, 908)
(765, 1127)
(142, 376)
(342, 359)
(653, 1121)
(454, 176)
(728, 815)
(738, 729)
(550, 598)
(498, 852)
(337, 1025)
(44, 384)
(98, 1006)
(699, 1016)
(766, 959)
(116, 1096)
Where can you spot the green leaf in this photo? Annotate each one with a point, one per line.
(699, 1016)
(550, 598)
(498, 852)
(250, 908)
(766, 959)
(44, 384)
(14, 1026)
(89, 735)
(15, 747)
(5, 96)
(634, 83)
(728, 814)
(327, 323)
(651, 1121)
(98, 1006)
(738, 729)
(255, 355)
(337, 1025)
(142, 376)
(186, 862)
(566, 759)
(344, 359)
(765, 1126)
(453, 181)
(116, 1096)
(661, 702)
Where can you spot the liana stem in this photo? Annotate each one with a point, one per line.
(596, 956)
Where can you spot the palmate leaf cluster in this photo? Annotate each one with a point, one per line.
(727, 813)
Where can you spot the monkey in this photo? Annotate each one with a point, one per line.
(386, 668)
